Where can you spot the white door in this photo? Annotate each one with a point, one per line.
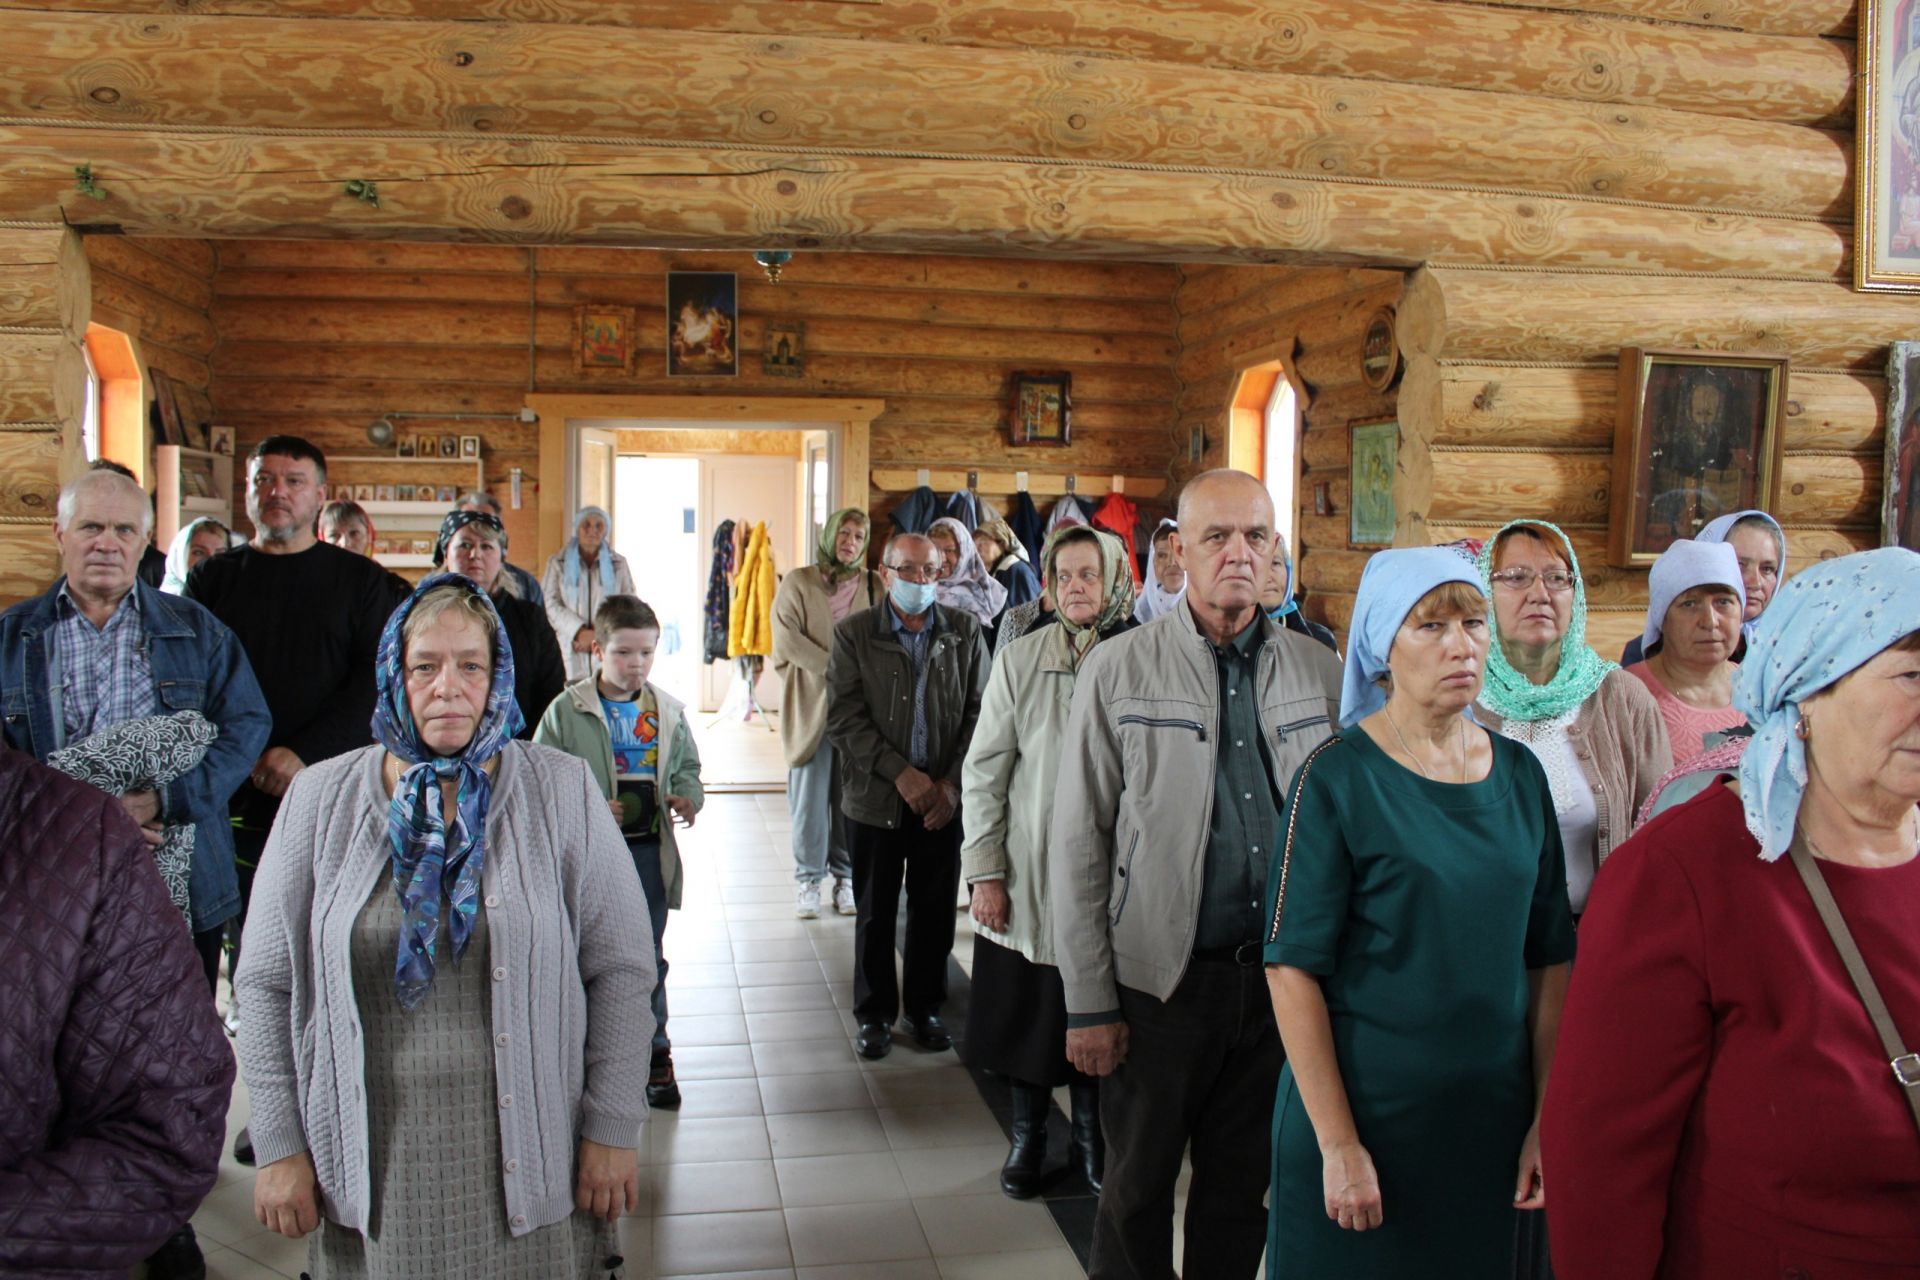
(594, 451)
(750, 490)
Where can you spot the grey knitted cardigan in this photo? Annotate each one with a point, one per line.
(572, 955)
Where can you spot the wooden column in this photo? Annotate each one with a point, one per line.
(45, 300)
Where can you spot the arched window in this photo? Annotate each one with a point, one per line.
(1263, 439)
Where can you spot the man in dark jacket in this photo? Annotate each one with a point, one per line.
(112, 1063)
(903, 695)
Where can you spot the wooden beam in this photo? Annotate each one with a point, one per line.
(43, 279)
(43, 378)
(1515, 48)
(798, 94)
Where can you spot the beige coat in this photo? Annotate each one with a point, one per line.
(1131, 816)
(802, 643)
(1008, 782)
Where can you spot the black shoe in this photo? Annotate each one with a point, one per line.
(177, 1258)
(663, 1089)
(1088, 1152)
(1022, 1175)
(243, 1146)
(928, 1032)
(875, 1040)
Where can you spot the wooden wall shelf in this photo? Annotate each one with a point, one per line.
(1000, 483)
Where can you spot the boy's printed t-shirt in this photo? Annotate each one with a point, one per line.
(635, 730)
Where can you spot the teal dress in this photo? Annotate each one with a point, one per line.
(1421, 906)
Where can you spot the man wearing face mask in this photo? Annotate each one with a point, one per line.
(904, 686)
(1278, 603)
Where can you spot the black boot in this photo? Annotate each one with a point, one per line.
(1088, 1152)
(1020, 1176)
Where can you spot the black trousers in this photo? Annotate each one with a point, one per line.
(247, 847)
(928, 863)
(1201, 1071)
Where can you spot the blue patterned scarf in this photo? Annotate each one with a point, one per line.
(417, 828)
(605, 559)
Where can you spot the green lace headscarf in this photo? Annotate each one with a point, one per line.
(1507, 692)
(1116, 602)
(828, 557)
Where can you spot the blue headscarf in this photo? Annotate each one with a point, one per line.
(417, 829)
(1720, 527)
(1288, 604)
(607, 585)
(1829, 619)
(1393, 582)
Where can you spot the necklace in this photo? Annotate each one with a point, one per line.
(1416, 759)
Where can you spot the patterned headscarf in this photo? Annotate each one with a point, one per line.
(1829, 619)
(1002, 532)
(827, 551)
(428, 855)
(1116, 599)
(607, 584)
(1507, 692)
(456, 521)
(971, 588)
(1393, 582)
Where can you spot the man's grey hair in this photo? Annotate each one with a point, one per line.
(480, 498)
(100, 482)
(886, 551)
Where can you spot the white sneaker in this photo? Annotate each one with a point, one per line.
(843, 897)
(807, 905)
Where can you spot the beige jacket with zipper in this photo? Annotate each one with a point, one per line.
(802, 644)
(1133, 805)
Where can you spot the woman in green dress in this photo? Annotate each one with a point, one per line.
(1418, 947)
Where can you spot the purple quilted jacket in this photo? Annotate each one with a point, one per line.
(114, 1073)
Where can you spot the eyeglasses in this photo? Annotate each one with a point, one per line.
(1558, 580)
(915, 572)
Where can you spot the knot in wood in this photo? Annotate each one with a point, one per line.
(1601, 184)
(1283, 200)
(1795, 408)
(105, 94)
(463, 59)
(786, 186)
(515, 208)
(152, 29)
(1799, 489)
(1076, 121)
(808, 242)
(483, 124)
(1524, 210)
(1329, 164)
(1286, 33)
(1339, 106)
(768, 116)
(1599, 68)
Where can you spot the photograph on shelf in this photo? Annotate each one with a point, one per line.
(363, 493)
(1373, 451)
(383, 493)
(169, 407)
(403, 493)
(703, 323)
(469, 446)
(1698, 436)
(446, 493)
(1886, 198)
(381, 547)
(1043, 408)
(449, 446)
(221, 440)
(196, 478)
(603, 339)
(405, 447)
(1900, 509)
(785, 355)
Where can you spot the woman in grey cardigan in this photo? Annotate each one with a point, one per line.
(446, 981)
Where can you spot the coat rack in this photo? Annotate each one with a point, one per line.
(999, 483)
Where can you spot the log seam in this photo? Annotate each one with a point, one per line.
(1598, 451)
(1664, 273)
(1466, 362)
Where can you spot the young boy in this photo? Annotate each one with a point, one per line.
(637, 742)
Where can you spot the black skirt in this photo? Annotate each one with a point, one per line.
(1017, 1017)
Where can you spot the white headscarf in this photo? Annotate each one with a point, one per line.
(180, 551)
(1154, 598)
(1681, 567)
(970, 587)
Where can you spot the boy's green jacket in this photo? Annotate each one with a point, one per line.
(575, 724)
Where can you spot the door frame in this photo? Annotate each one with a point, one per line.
(849, 422)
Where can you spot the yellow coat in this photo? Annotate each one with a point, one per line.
(750, 615)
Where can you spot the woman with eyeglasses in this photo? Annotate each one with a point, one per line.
(1595, 729)
(1696, 601)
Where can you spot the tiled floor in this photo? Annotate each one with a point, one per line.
(792, 1159)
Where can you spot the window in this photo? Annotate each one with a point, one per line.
(90, 423)
(1280, 457)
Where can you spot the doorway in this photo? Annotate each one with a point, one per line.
(660, 537)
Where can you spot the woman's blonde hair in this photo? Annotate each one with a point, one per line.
(461, 601)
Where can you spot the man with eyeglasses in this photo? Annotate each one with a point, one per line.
(904, 686)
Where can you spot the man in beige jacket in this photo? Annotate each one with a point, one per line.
(1184, 736)
(806, 608)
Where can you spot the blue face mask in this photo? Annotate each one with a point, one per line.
(913, 598)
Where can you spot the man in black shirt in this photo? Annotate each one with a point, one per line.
(309, 617)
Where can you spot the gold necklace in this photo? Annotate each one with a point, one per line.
(1394, 725)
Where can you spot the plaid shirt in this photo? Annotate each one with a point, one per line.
(917, 644)
(104, 675)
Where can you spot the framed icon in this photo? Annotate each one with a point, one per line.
(1042, 408)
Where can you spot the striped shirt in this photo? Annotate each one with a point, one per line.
(101, 675)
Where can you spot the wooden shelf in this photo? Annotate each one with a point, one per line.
(1000, 483)
(437, 510)
(390, 458)
(206, 506)
(408, 561)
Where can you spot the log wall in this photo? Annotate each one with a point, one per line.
(160, 292)
(45, 302)
(322, 337)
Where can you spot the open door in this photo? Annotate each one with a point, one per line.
(594, 451)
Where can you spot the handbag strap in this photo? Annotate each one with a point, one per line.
(1906, 1066)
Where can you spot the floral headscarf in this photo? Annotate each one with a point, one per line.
(457, 520)
(827, 551)
(430, 856)
(1002, 532)
(1116, 600)
(574, 568)
(1509, 694)
(970, 588)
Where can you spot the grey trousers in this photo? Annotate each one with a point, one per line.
(819, 832)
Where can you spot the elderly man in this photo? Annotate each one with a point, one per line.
(101, 648)
(525, 583)
(904, 686)
(309, 616)
(1206, 712)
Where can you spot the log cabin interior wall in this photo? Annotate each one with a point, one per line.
(1561, 178)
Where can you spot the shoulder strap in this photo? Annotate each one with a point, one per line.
(1286, 841)
(1906, 1066)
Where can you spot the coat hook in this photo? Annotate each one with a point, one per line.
(1073, 483)
(973, 479)
(924, 478)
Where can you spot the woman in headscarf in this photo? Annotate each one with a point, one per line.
(1277, 600)
(1760, 545)
(204, 537)
(1166, 581)
(448, 966)
(1722, 1104)
(473, 543)
(1017, 1023)
(347, 526)
(964, 582)
(809, 604)
(1417, 954)
(1001, 551)
(1595, 729)
(1695, 601)
(579, 577)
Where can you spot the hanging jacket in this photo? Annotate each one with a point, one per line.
(1069, 510)
(965, 508)
(719, 593)
(1024, 519)
(916, 512)
(750, 618)
(1120, 517)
